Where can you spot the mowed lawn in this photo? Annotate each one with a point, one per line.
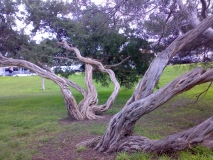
(29, 116)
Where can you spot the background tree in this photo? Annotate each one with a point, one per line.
(11, 39)
(96, 35)
(40, 53)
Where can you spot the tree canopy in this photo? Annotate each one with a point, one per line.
(90, 29)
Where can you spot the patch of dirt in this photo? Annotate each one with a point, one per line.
(63, 147)
(103, 119)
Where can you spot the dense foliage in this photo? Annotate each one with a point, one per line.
(95, 34)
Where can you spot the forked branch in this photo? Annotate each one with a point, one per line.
(99, 65)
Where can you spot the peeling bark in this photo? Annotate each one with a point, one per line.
(92, 62)
(69, 100)
(92, 96)
(118, 136)
(122, 124)
(146, 86)
(201, 134)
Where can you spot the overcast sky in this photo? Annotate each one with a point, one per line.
(38, 36)
(98, 1)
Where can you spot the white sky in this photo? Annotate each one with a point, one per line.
(98, 1)
(38, 37)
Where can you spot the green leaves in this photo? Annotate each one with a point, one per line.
(95, 31)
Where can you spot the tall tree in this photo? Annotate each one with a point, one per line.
(30, 51)
(96, 34)
(11, 39)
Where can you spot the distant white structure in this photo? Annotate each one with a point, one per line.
(15, 71)
(74, 67)
(2, 71)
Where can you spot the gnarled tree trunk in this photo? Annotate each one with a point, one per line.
(119, 133)
(103, 69)
(64, 84)
(91, 99)
(88, 107)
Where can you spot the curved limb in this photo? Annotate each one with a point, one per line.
(70, 101)
(122, 124)
(111, 74)
(146, 86)
(202, 134)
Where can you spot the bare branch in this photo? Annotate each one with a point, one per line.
(193, 19)
(5, 38)
(44, 66)
(167, 19)
(118, 64)
(111, 13)
(204, 92)
(204, 8)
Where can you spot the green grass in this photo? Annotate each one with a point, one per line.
(30, 117)
(81, 148)
(134, 156)
(28, 114)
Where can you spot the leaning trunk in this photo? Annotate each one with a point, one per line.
(146, 86)
(121, 126)
(118, 136)
(70, 102)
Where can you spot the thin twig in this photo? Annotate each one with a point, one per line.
(204, 92)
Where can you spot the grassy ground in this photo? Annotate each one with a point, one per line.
(31, 118)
